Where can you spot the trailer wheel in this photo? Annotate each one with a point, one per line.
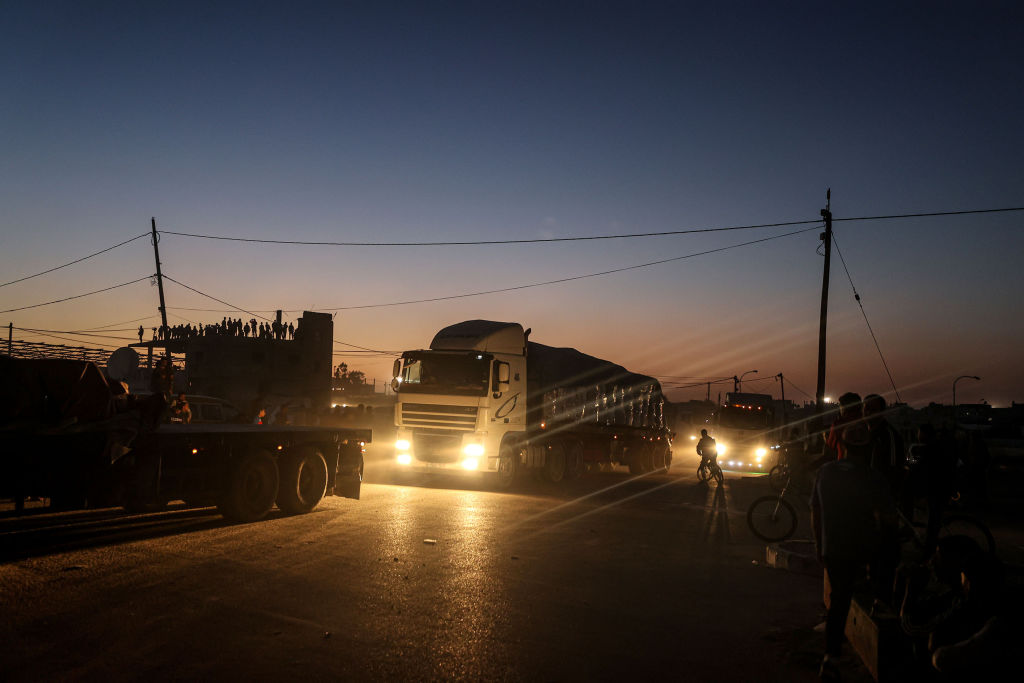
(251, 488)
(303, 481)
(640, 460)
(554, 463)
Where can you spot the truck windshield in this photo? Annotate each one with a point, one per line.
(458, 374)
(743, 418)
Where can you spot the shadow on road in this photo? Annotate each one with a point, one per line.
(46, 534)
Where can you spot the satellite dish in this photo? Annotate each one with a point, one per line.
(122, 363)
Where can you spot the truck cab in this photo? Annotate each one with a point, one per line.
(458, 400)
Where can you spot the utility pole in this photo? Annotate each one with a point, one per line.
(782, 388)
(735, 384)
(826, 236)
(160, 284)
(10, 341)
(709, 393)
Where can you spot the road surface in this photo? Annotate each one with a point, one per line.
(609, 578)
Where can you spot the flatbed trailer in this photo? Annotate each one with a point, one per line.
(69, 439)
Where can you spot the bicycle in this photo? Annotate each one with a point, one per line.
(777, 476)
(708, 470)
(773, 518)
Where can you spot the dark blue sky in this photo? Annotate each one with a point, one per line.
(468, 121)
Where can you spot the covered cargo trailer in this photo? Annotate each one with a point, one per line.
(484, 398)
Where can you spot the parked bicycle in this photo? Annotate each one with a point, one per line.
(773, 518)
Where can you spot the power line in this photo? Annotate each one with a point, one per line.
(866, 322)
(541, 240)
(220, 301)
(796, 387)
(237, 308)
(569, 279)
(71, 263)
(926, 215)
(77, 296)
(74, 333)
(102, 347)
(664, 233)
(527, 286)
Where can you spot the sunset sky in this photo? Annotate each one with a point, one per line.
(476, 121)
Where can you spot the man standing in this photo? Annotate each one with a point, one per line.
(851, 514)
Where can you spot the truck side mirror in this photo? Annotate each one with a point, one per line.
(501, 375)
(396, 369)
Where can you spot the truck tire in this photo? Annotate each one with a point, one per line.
(508, 466)
(251, 488)
(641, 460)
(554, 463)
(303, 481)
(574, 467)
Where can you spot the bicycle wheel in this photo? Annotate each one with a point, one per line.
(777, 477)
(771, 519)
(965, 525)
(702, 474)
(719, 477)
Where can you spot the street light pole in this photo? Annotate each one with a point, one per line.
(740, 382)
(954, 387)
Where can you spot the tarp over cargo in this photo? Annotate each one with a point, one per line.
(550, 367)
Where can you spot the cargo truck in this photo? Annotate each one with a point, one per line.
(68, 435)
(485, 399)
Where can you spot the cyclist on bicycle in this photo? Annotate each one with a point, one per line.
(707, 449)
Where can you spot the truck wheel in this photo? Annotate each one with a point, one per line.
(251, 488)
(574, 466)
(507, 466)
(303, 481)
(641, 460)
(667, 458)
(554, 463)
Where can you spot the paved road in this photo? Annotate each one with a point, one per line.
(608, 578)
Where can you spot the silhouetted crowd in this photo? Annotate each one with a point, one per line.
(946, 590)
(228, 327)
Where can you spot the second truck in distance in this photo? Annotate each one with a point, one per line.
(483, 398)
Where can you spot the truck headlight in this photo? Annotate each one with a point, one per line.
(473, 450)
(402, 445)
(721, 449)
(404, 459)
(760, 452)
(471, 463)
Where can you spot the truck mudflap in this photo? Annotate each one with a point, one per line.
(349, 477)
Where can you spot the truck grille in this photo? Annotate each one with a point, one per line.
(437, 447)
(460, 418)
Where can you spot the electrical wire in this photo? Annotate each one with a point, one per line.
(220, 301)
(518, 287)
(74, 333)
(77, 296)
(541, 240)
(71, 263)
(665, 233)
(101, 347)
(100, 328)
(786, 379)
(926, 215)
(569, 279)
(866, 322)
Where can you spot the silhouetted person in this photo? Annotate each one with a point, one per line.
(933, 479)
(291, 331)
(851, 514)
(707, 449)
(141, 331)
(888, 455)
(849, 412)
